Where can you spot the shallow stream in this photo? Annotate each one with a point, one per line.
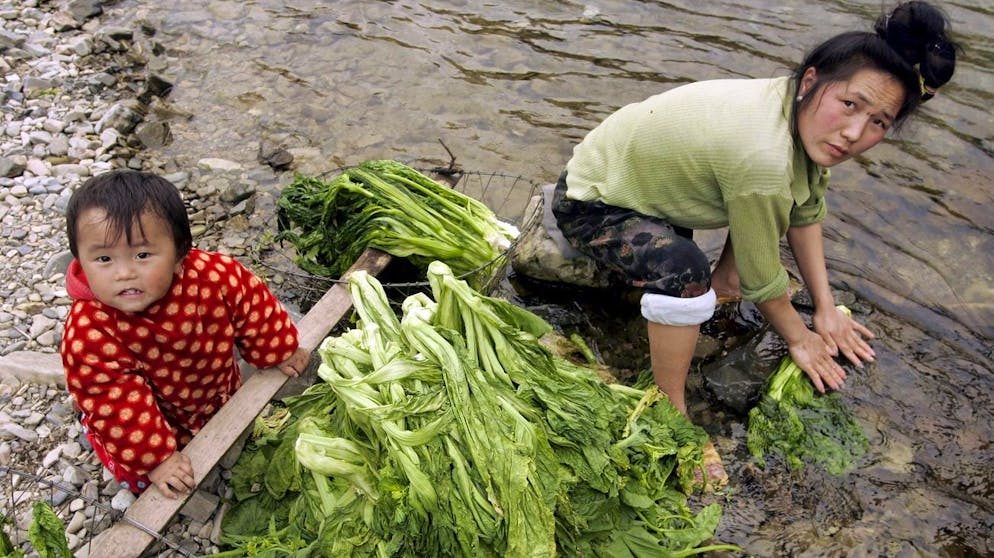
(511, 86)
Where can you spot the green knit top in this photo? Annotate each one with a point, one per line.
(708, 155)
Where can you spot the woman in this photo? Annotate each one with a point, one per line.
(752, 155)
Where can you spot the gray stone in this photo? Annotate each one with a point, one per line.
(122, 500)
(10, 431)
(539, 256)
(39, 136)
(12, 166)
(155, 86)
(58, 263)
(37, 167)
(70, 170)
(153, 135)
(36, 85)
(33, 367)
(64, 21)
(119, 117)
(85, 9)
(200, 506)
(104, 79)
(78, 520)
(59, 146)
(236, 192)
(9, 39)
(82, 46)
(216, 164)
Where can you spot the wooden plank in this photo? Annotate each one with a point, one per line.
(152, 510)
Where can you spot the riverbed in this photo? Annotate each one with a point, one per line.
(511, 86)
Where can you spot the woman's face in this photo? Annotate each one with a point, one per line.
(847, 117)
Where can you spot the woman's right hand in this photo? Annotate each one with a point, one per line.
(814, 356)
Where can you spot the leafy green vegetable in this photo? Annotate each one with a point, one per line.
(793, 421)
(47, 533)
(392, 207)
(453, 432)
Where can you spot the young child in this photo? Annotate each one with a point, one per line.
(150, 340)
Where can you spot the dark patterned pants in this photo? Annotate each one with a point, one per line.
(646, 251)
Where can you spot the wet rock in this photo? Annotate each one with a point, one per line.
(153, 135)
(155, 86)
(167, 111)
(276, 156)
(736, 379)
(540, 255)
(217, 164)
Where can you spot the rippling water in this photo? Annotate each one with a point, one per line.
(511, 86)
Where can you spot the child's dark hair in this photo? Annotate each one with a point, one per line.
(910, 43)
(124, 196)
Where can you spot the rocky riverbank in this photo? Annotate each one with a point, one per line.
(80, 96)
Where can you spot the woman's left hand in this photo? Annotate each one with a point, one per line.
(844, 335)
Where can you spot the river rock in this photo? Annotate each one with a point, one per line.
(542, 253)
(120, 117)
(154, 134)
(13, 166)
(85, 9)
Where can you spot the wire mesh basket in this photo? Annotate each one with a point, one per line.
(87, 512)
(507, 195)
(83, 516)
(45, 458)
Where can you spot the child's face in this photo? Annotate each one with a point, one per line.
(129, 277)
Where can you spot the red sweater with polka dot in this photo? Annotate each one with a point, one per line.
(148, 381)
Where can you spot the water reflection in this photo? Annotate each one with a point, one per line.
(512, 86)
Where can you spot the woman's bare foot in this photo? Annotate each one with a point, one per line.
(711, 476)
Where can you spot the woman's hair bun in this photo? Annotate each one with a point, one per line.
(917, 31)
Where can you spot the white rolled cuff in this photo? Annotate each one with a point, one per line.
(675, 311)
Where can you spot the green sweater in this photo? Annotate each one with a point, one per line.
(707, 155)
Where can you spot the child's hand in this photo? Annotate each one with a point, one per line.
(296, 364)
(173, 476)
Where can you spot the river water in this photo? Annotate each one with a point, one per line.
(511, 86)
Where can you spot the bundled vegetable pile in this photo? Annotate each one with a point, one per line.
(452, 432)
(392, 207)
(801, 426)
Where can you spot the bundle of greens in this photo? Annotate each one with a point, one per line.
(392, 207)
(452, 432)
(801, 426)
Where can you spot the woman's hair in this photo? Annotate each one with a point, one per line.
(910, 43)
(125, 196)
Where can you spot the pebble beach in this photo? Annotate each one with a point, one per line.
(80, 97)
